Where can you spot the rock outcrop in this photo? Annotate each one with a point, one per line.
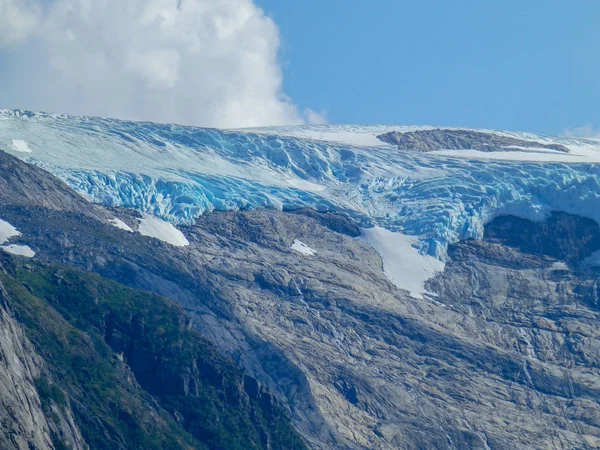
(438, 139)
(23, 424)
(501, 354)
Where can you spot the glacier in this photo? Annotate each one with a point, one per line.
(177, 173)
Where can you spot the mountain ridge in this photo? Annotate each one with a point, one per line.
(500, 351)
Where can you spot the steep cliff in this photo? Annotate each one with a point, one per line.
(119, 369)
(24, 424)
(501, 352)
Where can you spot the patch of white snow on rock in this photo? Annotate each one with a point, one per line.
(403, 265)
(159, 229)
(20, 250)
(20, 146)
(301, 247)
(559, 266)
(118, 223)
(7, 231)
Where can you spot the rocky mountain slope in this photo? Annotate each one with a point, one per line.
(87, 363)
(499, 350)
(120, 369)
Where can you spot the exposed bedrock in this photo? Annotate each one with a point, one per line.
(504, 353)
(445, 139)
(561, 236)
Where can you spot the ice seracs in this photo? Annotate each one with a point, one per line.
(177, 173)
(301, 247)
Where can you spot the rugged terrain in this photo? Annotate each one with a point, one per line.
(89, 363)
(500, 353)
(329, 287)
(432, 140)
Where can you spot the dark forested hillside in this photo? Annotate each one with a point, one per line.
(131, 371)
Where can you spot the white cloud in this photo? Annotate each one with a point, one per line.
(585, 131)
(314, 117)
(199, 62)
(158, 68)
(18, 20)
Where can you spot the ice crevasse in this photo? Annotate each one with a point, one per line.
(436, 197)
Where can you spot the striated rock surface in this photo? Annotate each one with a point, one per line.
(561, 236)
(502, 354)
(23, 424)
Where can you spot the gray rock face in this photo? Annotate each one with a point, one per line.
(503, 355)
(388, 371)
(28, 186)
(541, 314)
(561, 236)
(362, 365)
(437, 139)
(23, 423)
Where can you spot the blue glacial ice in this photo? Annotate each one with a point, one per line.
(177, 173)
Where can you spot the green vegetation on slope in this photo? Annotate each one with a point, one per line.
(174, 392)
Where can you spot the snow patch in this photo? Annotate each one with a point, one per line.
(559, 266)
(159, 229)
(352, 135)
(577, 154)
(305, 185)
(301, 247)
(20, 250)
(7, 231)
(20, 146)
(403, 265)
(118, 223)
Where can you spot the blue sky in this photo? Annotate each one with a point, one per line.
(526, 65)
(522, 65)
